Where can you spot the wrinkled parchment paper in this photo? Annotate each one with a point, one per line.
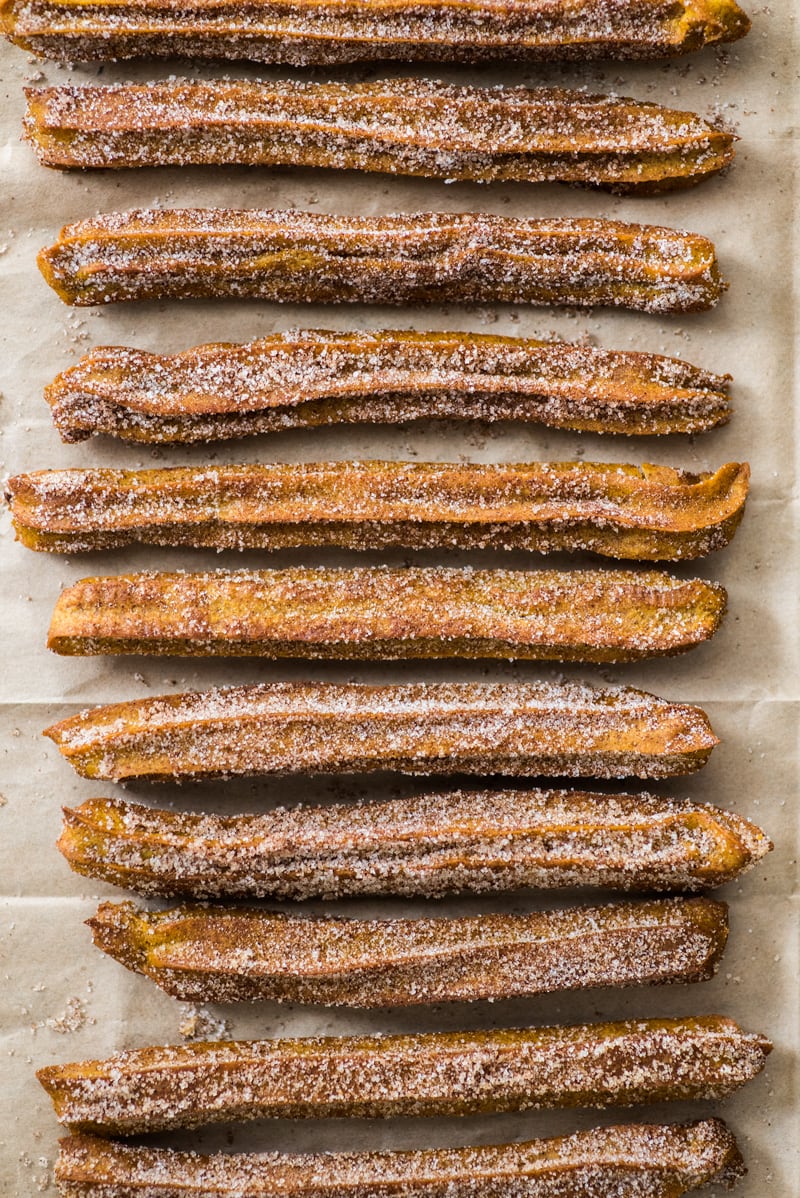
(63, 1000)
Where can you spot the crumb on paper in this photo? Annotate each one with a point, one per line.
(71, 1019)
(42, 1178)
(197, 1023)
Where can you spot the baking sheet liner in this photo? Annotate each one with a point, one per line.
(62, 1000)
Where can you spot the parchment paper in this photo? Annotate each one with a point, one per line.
(62, 1000)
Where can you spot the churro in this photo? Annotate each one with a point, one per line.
(415, 258)
(305, 32)
(228, 954)
(400, 126)
(426, 846)
(312, 377)
(429, 1074)
(387, 613)
(649, 1160)
(543, 729)
(644, 512)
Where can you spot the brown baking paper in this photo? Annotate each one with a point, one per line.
(63, 1000)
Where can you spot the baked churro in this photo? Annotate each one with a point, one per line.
(647, 512)
(415, 258)
(648, 1160)
(566, 730)
(430, 1074)
(389, 613)
(400, 126)
(312, 377)
(228, 954)
(421, 847)
(304, 32)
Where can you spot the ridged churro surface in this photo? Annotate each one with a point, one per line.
(425, 846)
(639, 1160)
(530, 729)
(311, 31)
(403, 126)
(386, 613)
(646, 512)
(430, 257)
(430, 1074)
(305, 378)
(228, 954)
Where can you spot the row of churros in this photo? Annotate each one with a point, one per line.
(401, 126)
(384, 612)
(425, 846)
(590, 1065)
(428, 845)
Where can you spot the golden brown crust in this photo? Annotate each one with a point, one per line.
(426, 846)
(432, 728)
(303, 32)
(306, 378)
(223, 954)
(649, 1161)
(310, 257)
(387, 613)
(431, 1074)
(648, 512)
(403, 126)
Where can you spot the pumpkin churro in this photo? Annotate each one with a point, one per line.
(386, 613)
(403, 126)
(429, 1074)
(649, 1160)
(312, 377)
(647, 512)
(426, 846)
(223, 954)
(567, 730)
(415, 258)
(303, 32)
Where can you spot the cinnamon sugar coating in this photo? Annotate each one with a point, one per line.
(229, 954)
(416, 258)
(567, 730)
(426, 846)
(386, 613)
(646, 512)
(641, 1160)
(301, 32)
(311, 377)
(401, 126)
(429, 1074)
